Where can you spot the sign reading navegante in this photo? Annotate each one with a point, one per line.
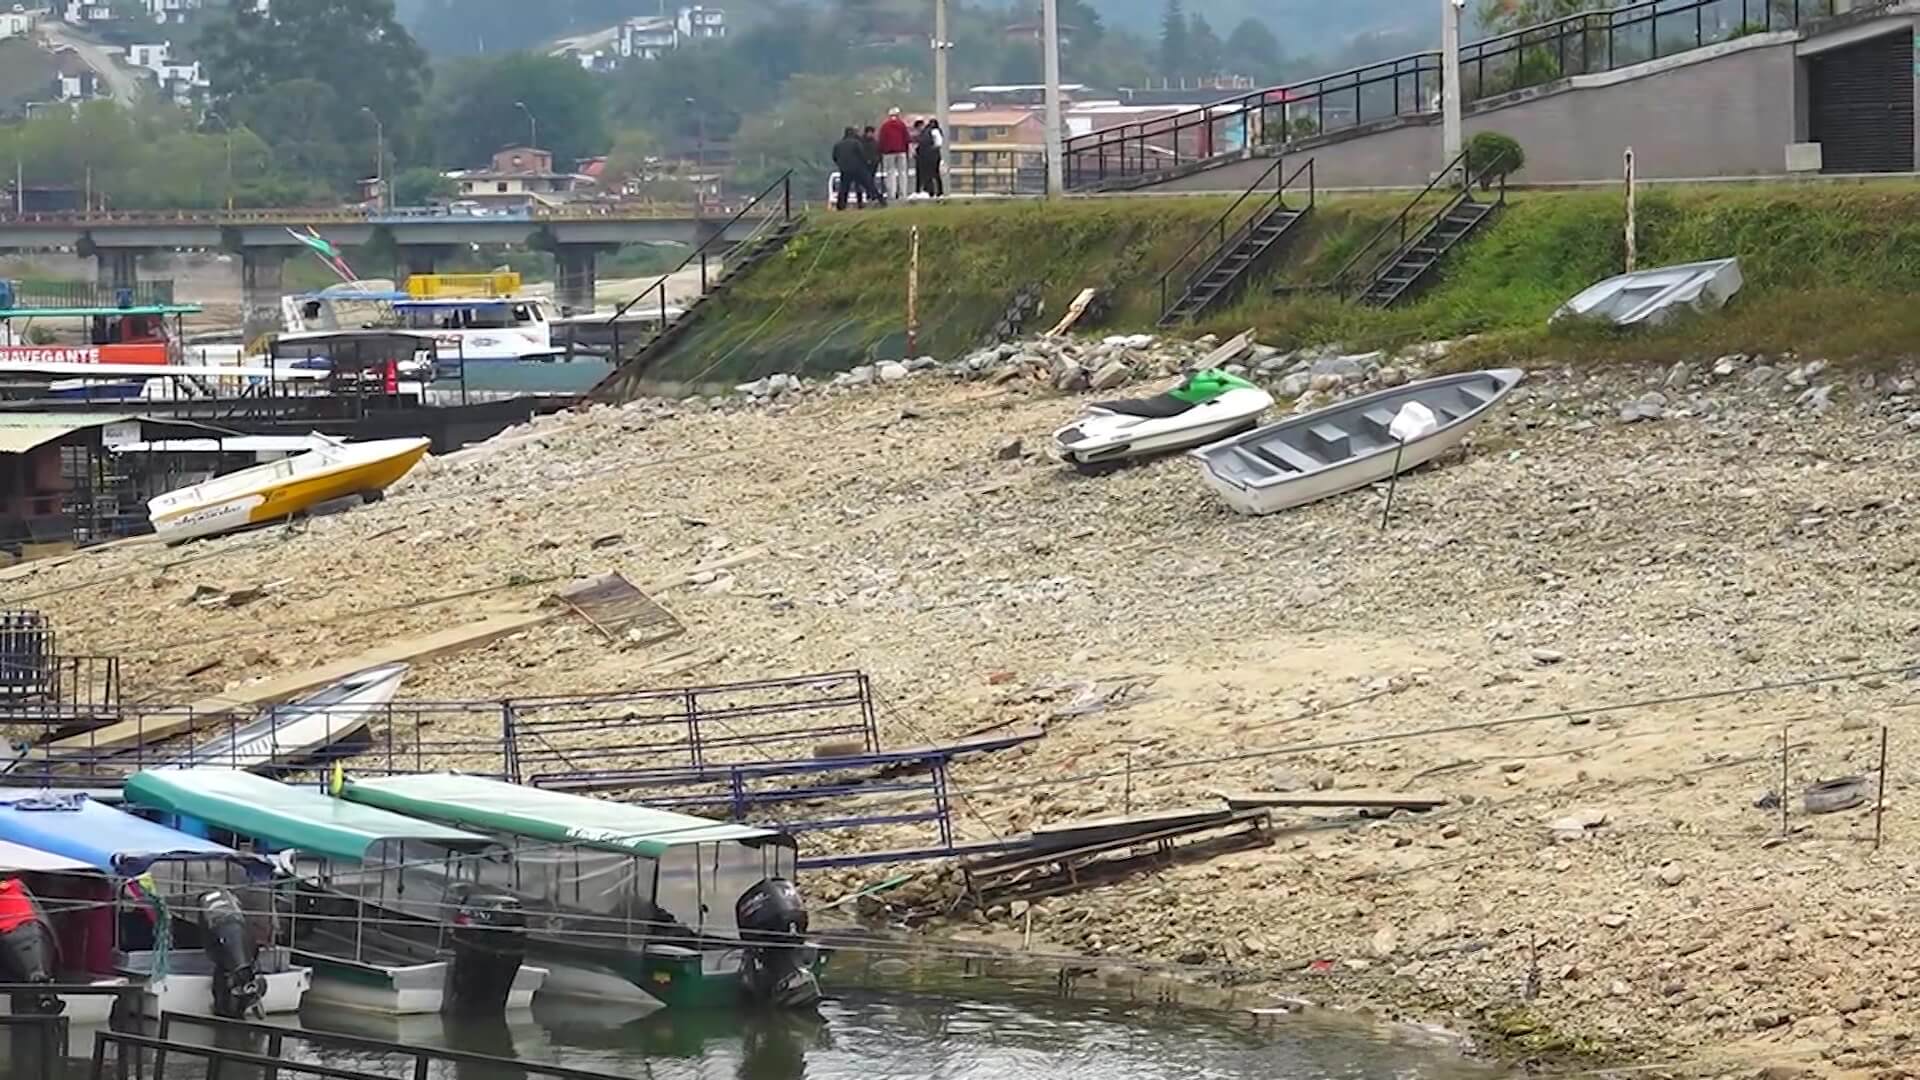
(145, 352)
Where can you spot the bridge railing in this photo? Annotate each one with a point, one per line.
(336, 215)
(1410, 85)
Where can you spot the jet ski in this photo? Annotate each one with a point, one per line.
(1207, 406)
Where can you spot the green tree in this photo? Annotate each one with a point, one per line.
(1203, 46)
(477, 110)
(353, 48)
(296, 118)
(421, 185)
(1500, 16)
(1175, 54)
(634, 151)
(798, 133)
(1252, 49)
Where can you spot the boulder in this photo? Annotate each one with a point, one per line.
(892, 371)
(1110, 375)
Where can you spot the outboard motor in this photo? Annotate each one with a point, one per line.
(489, 941)
(779, 964)
(237, 984)
(28, 949)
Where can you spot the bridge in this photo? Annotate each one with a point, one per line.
(576, 235)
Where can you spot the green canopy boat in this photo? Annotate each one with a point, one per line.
(626, 903)
(382, 906)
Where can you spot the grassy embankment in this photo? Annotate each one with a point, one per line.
(1830, 271)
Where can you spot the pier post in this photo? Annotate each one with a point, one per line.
(574, 287)
(117, 268)
(262, 274)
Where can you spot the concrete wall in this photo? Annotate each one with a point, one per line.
(1726, 110)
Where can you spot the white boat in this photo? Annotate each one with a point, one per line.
(293, 733)
(1348, 445)
(404, 989)
(281, 489)
(1650, 297)
(1205, 406)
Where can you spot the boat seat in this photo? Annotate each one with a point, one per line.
(1158, 407)
(1475, 394)
(1287, 457)
(1253, 463)
(1380, 417)
(1333, 441)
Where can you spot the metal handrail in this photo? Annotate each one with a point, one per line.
(277, 1036)
(1087, 156)
(1279, 197)
(784, 182)
(1461, 164)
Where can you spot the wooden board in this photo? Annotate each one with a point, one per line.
(1228, 353)
(618, 609)
(1337, 800)
(1074, 311)
(257, 695)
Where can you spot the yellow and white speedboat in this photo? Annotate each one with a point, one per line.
(281, 489)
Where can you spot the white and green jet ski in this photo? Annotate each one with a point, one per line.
(1207, 406)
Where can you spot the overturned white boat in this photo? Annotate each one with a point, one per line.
(294, 733)
(1350, 444)
(1207, 405)
(1650, 297)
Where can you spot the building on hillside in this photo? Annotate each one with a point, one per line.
(73, 79)
(17, 22)
(85, 13)
(517, 178)
(994, 149)
(647, 37)
(180, 79)
(699, 23)
(172, 11)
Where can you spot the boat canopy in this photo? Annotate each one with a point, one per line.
(103, 838)
(554, 816)
(284, 816)
(103, 312)
(20, 859)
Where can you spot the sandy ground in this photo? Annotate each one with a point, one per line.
(1568, 560)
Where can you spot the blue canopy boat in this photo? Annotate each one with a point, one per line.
(166, 888)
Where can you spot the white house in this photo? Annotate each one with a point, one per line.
(16, 23)
(699, 23)
(647, 38)
(180, 79)
(73, 79)
(89, 12)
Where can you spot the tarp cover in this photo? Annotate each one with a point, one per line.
(98, 835)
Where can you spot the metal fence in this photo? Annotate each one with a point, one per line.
(1410, 85)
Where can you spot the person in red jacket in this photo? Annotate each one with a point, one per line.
(896, 143)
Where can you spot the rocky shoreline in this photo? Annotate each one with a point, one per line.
(1615, 537)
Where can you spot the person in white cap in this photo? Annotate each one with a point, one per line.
(896, 143)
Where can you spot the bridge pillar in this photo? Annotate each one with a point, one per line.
(262, 274)
(117, 268)
(421, 258)
(576, 266)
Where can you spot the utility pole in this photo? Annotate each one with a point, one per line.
(1050, 54)
(533, 126)
(1450, 77)
(941, 46)
(381, 201)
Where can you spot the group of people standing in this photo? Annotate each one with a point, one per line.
(867, 158)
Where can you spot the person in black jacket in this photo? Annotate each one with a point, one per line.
(850, 157)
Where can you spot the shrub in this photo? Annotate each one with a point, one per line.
(1492, 156)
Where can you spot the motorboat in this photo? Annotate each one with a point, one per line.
(1651, 297)
(1206, 406)
(293, 734)
(1350, 444)
(383, 908)
(281, 489)
(29, 951)
(188, 919)
(627, 905)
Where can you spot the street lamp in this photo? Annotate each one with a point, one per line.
(226, 126)
(699, 153)
(379, 159)
(1050, 61)
(1450, 77)
(533, 126)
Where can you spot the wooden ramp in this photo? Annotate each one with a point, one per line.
(147, 729)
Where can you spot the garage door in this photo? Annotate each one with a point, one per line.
(1861, 99)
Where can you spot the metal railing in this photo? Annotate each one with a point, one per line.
(352, 215)
(419, 1059)
(782, 183)
(1275, 201)
(1402, 230)
(1410, 85)
(29, 293)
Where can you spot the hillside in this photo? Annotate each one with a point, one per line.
(1828, 268)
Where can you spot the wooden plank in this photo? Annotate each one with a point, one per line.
(1337, 800)
(613, 606)
(272, 691)
(1228, 353)
(1074, 311)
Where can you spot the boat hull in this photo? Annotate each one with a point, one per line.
(82, 1010)
(1371, 467)
(292, 733)
(401, 990)
(187, 993)
(281, 498)
(1101, 436)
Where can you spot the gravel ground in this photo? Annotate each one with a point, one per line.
(1753, 523)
